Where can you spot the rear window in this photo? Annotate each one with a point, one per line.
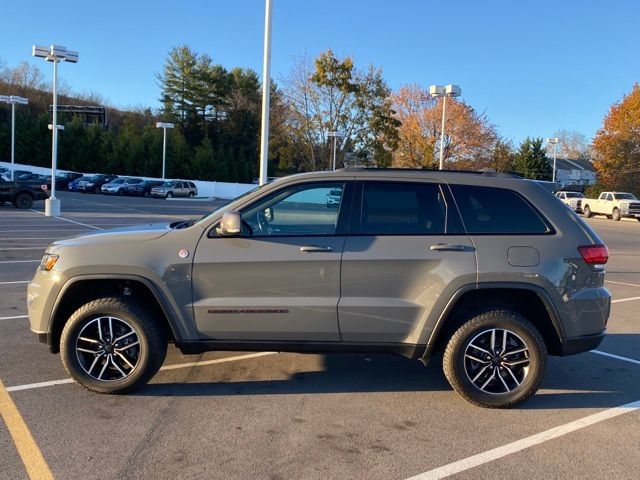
(402, 209)
(497, 211)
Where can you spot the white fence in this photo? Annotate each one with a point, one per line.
(223, 190)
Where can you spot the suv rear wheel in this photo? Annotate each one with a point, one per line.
(496, 359)
(112, 345)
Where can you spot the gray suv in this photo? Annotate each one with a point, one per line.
(489, 269)
(175, 188)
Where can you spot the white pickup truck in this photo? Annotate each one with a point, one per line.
(572, 199)
(614, 205)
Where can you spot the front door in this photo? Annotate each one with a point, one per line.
(279, 280)
(407, 253)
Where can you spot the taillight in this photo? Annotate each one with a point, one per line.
(594, 254)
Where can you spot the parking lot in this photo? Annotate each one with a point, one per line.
(278, 415)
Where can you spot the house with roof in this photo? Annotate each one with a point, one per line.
(574, 173)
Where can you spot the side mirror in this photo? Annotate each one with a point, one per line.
(230, 225)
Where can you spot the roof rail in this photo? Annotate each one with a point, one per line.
(490, 172)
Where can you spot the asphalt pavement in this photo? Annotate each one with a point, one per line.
(231, 415)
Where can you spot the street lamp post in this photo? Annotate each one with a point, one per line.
(554, 141)
(54, 54)
(164, 126)
(335, 136)
(437, 91)
(13, 100)
(266, 94)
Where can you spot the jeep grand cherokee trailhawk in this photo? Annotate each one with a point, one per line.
(488, 268)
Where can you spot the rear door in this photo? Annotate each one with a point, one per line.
(405, 256)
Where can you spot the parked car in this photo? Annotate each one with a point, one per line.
(74, 185)
(142, 188)
(65, 178)
(484, 267)
(21, 193)
(175, 188)
(95, 182)
(573, 200)
(614, 205)
(117, 186)
(334, 197)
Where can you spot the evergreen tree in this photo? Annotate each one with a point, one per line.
(531, 160)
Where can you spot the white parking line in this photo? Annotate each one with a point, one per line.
(20, 261)
(617, 357)
(625, 299)
(12, 283)
(14, 317)
(519, 445)
(623, 283)
(215, 361)
(68, 220)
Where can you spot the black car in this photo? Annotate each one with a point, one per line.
(94, 183)
(21, 193)
(143, 188)
(64, 179)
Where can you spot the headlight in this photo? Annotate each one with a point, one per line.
(48, 261)
(624, 207)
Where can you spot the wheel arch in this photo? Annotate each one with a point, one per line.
(529, 300)
(80, 290)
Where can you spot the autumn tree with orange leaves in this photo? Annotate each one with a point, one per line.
(616, 145)
(470, 139)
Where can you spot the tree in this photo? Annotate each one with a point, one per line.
(178, 81)
(470, 138)
(503, 156)
(572, 145)
(531, 160)
(331, 95)
(617, 145)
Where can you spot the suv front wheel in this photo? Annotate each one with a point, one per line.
(112, 345)
(496, 359)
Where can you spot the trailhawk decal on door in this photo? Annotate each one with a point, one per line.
(247, 310)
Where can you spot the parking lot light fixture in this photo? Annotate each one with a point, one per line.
(164, 126)
(54, 54)
(554, 141)
(437, 91)
(13, 100)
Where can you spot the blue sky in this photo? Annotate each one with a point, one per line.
(533, 67)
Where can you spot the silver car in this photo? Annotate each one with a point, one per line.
(175, 188)
(489, 269)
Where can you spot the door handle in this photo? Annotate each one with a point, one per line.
(315, 248)
(447, 247)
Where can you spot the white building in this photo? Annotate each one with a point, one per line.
(579, 173)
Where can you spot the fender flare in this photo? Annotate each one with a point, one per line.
(539, 291)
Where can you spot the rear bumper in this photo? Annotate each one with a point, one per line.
(574, 345)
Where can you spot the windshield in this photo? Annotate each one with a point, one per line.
(574, 195)
(224, 206)
(625, 196)
(168, 184)
(117, 181)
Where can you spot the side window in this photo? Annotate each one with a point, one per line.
(609, 197)
(192, 185)
(402, 209)
(496, 211)
(307, 210)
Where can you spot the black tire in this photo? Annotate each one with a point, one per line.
(120, 191)
(97, 190)
(23, 200)
(615, 215)
(458, 368)
(146, 194)
(587, 211)
(169, 194)
(152, 347)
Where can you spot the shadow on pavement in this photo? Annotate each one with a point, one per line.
(582, 381)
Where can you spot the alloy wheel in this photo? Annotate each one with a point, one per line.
(108, 349)
(497, 361)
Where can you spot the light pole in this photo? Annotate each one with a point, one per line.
(335, 136)
(266, 94)
(164, 126)
(55, 54)
(554, 141)
(437, 91)
(13, 100)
